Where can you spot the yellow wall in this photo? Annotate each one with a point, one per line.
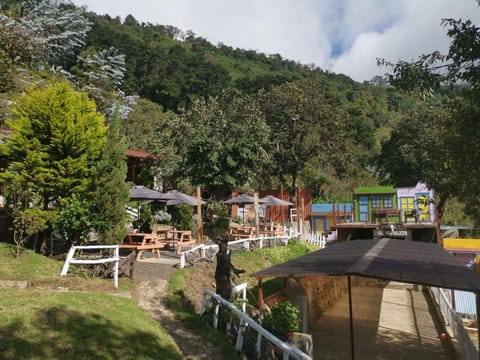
(467, 244)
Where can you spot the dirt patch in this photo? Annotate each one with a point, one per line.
(203, 277)
(151, 281)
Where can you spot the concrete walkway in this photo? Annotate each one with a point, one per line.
(395, 322)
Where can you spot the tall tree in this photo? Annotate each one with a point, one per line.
(461, 135)
(100, 74)
(306, 125)
(149, 128)
(224, 142)
(111, 189)
(414, 153)
(57, 139)
(58, 29)
(16, 49)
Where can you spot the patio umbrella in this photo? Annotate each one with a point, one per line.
(142, 193)
(242, 200)
(271, 200)
(176, 197)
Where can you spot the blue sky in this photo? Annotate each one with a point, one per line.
(341, 36)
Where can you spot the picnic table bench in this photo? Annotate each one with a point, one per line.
(148, 242)
(180, 238)
(243, 232)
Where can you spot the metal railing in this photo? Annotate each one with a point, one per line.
(467, 347)
(209, 297)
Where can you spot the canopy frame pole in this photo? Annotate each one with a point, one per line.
(477, 298)
(350, 311)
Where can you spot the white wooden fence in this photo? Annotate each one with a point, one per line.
(315, 239)
(208, 252)
(209, 297)
(99, 260)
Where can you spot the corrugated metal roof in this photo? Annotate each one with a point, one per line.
(465, 302)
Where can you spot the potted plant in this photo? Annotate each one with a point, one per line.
(282, 319)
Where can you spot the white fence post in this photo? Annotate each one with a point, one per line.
(215, 316)
(71, 260)
(182, 260)
(245, 320)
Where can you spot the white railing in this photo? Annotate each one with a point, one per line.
(208, 252)
(209, 297)
(131, 211)
(467, 347)
(315, 239)
(100, 260)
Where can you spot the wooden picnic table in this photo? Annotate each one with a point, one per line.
(148, 241)
(180, 238)
(242, 232)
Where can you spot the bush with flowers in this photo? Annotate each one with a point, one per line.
(161, 217)
(282, 319)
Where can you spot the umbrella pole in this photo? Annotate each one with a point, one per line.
(350, 312)
(199, 216)
(138, 213)
(255, 205)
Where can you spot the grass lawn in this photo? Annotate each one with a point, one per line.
(41, 324)
(87, 322)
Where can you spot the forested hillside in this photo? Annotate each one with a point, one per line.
(175, 70)
(225, 118)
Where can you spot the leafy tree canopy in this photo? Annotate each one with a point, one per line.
(57, 138)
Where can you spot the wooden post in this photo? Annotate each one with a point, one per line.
(298, 210)
(437, 225)
(199, 217)
(335, 214)
(283, 209)
(255, 204)
(260, 293)
(302, 213)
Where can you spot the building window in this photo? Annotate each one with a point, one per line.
(388, 201)
(376, 201)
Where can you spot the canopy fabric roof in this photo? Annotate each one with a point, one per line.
(390, 259)
(271, 200)
(176, 197)
(243, 199)
(140, 192)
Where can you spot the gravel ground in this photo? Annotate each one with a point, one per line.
(151, 280)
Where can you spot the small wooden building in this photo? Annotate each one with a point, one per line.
(325, 216)
(138, 162)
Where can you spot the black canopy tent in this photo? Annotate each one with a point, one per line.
(389, 259)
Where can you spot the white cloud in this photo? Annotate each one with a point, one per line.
(417, 31)
(344, 36)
